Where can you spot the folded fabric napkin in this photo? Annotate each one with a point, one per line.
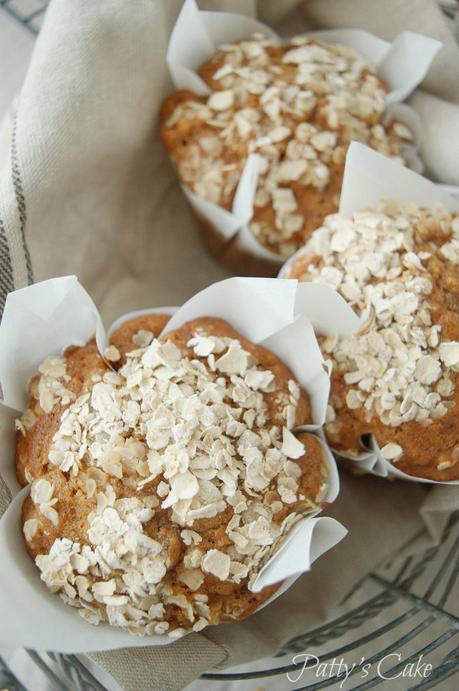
(86, 188)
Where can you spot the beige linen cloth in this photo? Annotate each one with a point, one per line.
(86, 188)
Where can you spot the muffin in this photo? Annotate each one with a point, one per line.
(397, 378)
(165, 475)
(297, 105)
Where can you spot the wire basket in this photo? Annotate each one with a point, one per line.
(412, 612)
(30, 13)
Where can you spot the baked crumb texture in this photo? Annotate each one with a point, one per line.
(297, 105)
(162, 483)
(397, 265)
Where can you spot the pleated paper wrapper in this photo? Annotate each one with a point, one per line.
(370, 177)
(195, 39)
(42, 320)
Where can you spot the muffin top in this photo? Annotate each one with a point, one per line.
(398, 266)
(297, 105)
(162, 484)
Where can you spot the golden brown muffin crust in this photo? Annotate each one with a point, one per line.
(32, 448)
(210, 144)
(268, 360)
(122, 337)
(75, 496)
(430, 446)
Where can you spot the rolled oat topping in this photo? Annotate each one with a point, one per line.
(395, 265)
(42, 496)
(189, 432)
(297, 106)
(48, 387)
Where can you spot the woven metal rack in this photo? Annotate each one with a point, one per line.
(30, 13)
(412, 612)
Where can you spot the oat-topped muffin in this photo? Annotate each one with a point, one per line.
(161, 485)
(398, 378)
(298, 105)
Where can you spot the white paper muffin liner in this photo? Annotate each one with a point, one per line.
(368, 178)
(195, 39)
(42, 320)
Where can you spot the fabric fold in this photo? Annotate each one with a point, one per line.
(168, 669)
(86, 188)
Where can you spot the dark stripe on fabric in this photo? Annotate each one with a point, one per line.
(20, 199)
(6, 269)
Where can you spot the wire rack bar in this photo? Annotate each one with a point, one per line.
(29, 17)
(398, 590)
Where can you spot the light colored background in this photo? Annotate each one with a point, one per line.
(16, 44)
